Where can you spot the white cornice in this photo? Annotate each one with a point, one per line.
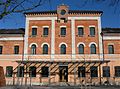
(11, 38)
(111, 38)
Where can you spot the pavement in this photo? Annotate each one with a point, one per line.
(60, 87)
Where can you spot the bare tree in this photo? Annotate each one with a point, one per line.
(17, 6)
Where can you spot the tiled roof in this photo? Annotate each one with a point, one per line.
(111, 30)
(12, 31)
(70, 12)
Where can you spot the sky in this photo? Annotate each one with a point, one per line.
(110, 17)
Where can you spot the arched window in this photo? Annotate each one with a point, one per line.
(81, 49)
(33, 49)
(45, 49)
(93, 49)
(63, 49)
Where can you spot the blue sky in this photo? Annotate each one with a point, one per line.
(110, 17)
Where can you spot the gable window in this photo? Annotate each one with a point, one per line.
(93, 49)
(92, 31)
(81, 49)
(80, 31)
(1, 49)
(32, 71)
(16, 49)
(81, 71)
(94, 71)
(63, 31)
(117, 71)
(63, 49)
(9, 71)
(106, 71)
(110, 49)
(33, 49)
(34, 31)
(45, 71)
(45, 49)
(20, 71)
(45, 31)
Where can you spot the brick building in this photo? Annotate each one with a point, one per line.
(61, 46)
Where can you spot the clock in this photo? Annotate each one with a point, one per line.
(63, 12)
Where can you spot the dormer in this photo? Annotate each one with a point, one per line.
(62, 13)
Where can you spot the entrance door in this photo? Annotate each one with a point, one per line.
(63, 73)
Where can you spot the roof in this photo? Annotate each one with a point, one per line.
(12, 31)
(111, 30)
(70, 12)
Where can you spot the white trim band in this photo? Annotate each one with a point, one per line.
(11, 38)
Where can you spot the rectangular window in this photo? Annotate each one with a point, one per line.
(106, 71)
(94, 71)
(92, 31)
(63, 31)
(9, 71)
(45, 71)
(110, 49)
(45, 31)
(1, 49)
(20, 71)
(117, 71)
(16, 49)
(34, 31)
(32, 71)
(80, 31)
(81, 71)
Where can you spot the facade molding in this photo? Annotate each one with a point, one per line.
(33, 44)
(80, 26)
(45, 26)
(93, 43)
(11, 38)
(63, 26)
(91, 25)
(44, 44)
(81, 43)
(111, 38)
(63, 43)
(34, 26)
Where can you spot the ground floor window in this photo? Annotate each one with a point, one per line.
(106, 71)
(9, 71)
(81, 71)
(20, 71)
(94, 71)
(45, 71)
(32, 71)
(117, 71)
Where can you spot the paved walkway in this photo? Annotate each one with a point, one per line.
(60, 87)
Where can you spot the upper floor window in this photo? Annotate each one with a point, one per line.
(9, 71)
(20, 71)
(63, 49)
(80, 31)
(92, 31)
(106, 71)
(93, 49)
(33, 49)
(117, 71)
(32, 71)
(34, 31)
(81, 71)
(16, 49)
(45, 49)
(63, 31)
(1, 49)
(81, 49)
(45, 71)
(110, 49)
(45, 31)
(94, 71)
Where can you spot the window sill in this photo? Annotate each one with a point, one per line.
(44, 35)
(79, 35)
(33, 35)
(62, 35)
(91, 35)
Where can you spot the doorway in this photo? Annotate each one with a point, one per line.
(63, 73)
